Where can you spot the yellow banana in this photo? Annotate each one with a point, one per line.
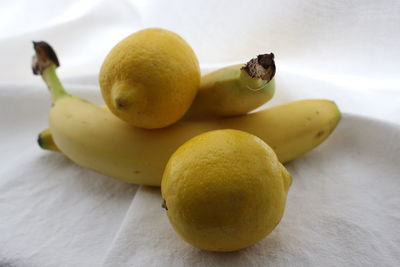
(235, 90)
(46, 141)
(93, 137)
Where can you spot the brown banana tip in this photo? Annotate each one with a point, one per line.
(40, 141)
(263, 66)
(43, 58)
(164, 205)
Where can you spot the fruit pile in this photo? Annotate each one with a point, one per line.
(219, 166)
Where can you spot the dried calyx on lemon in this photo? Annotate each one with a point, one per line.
(150, 78)
(224, 190)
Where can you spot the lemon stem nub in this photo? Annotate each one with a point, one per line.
(122, 95)
(44, 63)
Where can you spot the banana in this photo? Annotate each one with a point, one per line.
(93, 137)
(235, 90)
(46, 141)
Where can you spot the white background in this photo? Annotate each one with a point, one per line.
(53, 213)
(343, 45)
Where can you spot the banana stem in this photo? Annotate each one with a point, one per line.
(253, 84)
(44, 63)
(53, 83)
(263, 67)
(258, 72)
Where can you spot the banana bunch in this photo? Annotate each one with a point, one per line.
(93, 137)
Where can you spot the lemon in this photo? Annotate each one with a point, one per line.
(224, 190)
(150, 78)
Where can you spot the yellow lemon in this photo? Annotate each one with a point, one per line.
(224, 190)
(150, 78)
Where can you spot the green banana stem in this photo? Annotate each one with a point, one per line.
(53, 82)
(45, 63)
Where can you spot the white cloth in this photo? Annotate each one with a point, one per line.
(343, 206)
